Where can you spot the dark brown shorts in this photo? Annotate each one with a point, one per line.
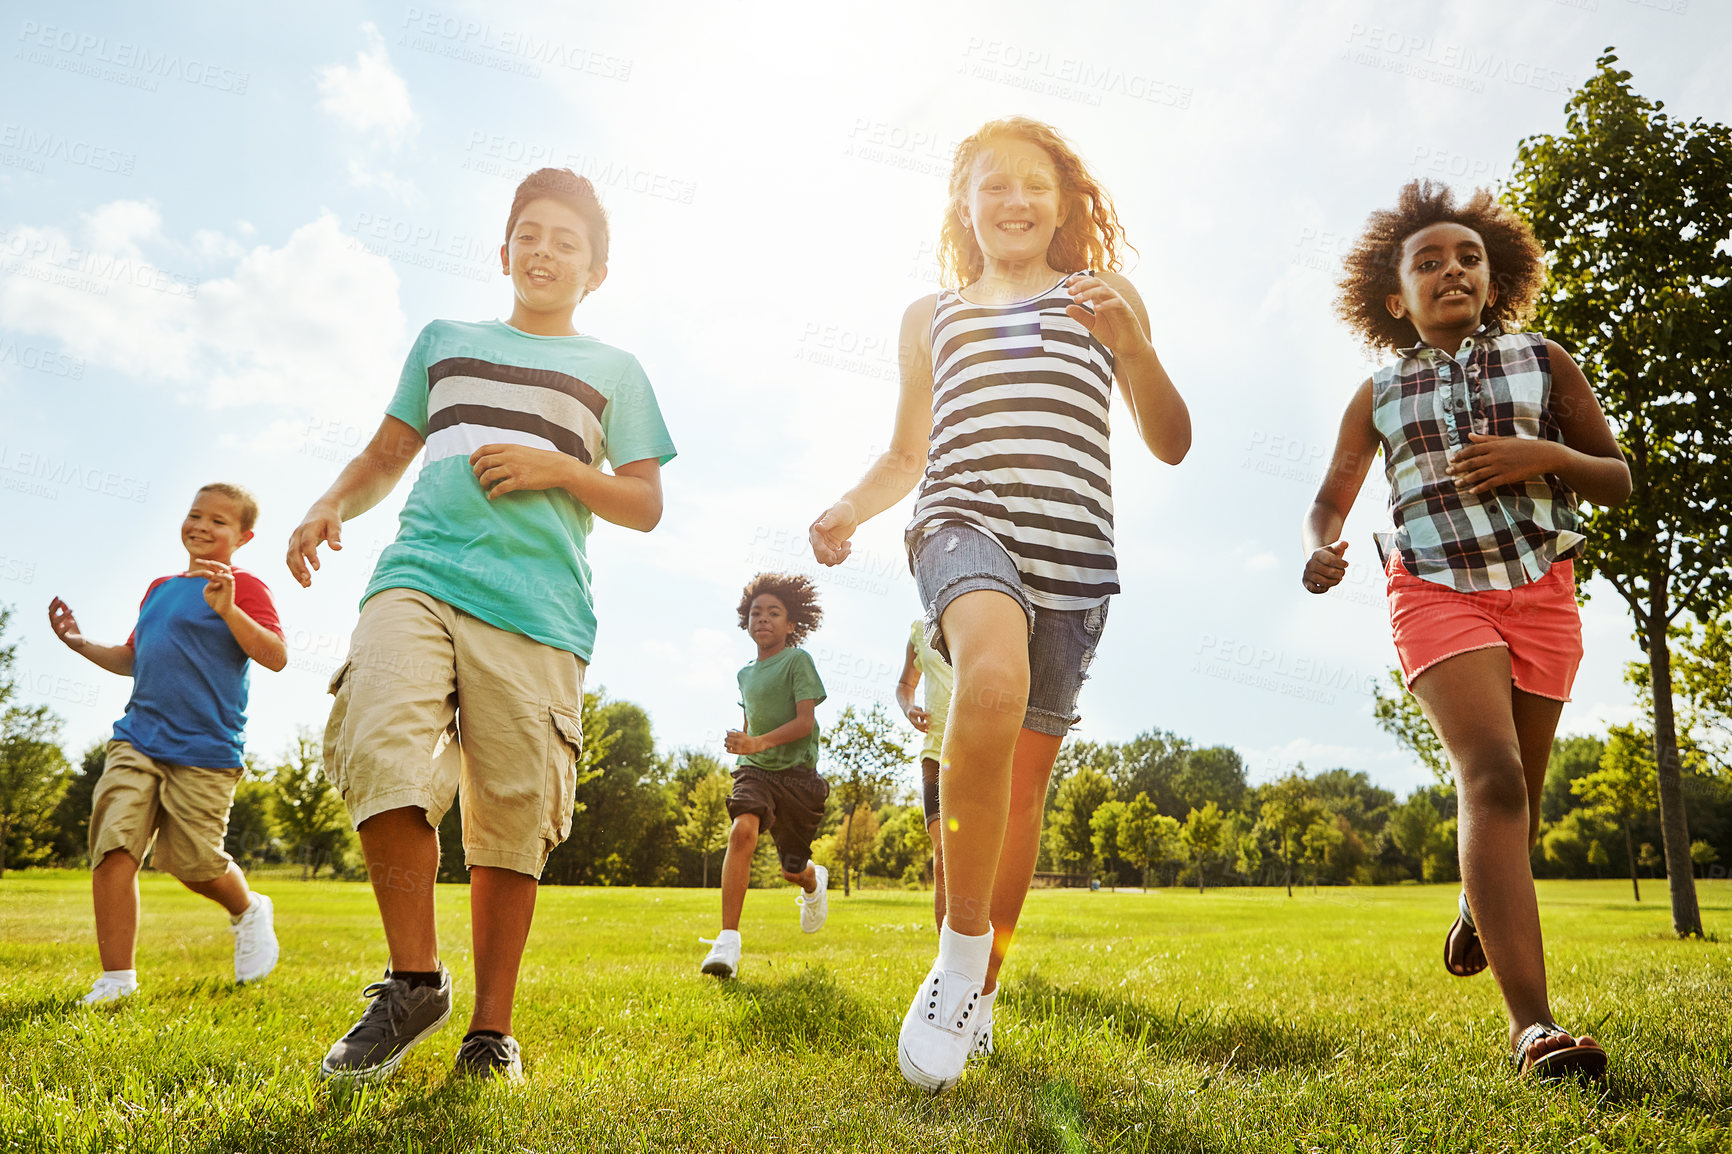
(789, 804)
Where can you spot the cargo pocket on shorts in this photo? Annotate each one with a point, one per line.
(336, 728)
(564, 755)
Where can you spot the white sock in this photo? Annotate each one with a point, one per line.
(124, 977)
(727, 936)
(965, 953)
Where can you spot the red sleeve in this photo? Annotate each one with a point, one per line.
(253, 597)
(141, 601)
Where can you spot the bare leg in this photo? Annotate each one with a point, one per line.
(402, 855)
(228, 890)
(1470, 703)
(114, 893)
(1032, 767)
(737, 868)
(1536, 722)
(936, 834)
(806, 879)
(987, 633)
(501, 907)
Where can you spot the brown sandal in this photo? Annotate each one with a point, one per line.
(1583, 1061)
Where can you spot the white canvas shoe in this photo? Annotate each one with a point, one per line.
(815, 906)
(255, 940)
(983, 1041)
(723, 960)
(106, 990)
(943, 1022)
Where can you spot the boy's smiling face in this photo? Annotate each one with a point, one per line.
(212, 529)
(767, 622)
(549, 259)
(1445, 282)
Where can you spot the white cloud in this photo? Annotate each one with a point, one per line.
(298, 327)
(369, 96)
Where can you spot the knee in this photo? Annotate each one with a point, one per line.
(993, 681)
(1495, 786)
(744, 836)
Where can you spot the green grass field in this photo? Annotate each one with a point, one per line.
(1236, 1020)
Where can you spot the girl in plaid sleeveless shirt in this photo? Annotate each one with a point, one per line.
(1001, 419)
(1488, 437)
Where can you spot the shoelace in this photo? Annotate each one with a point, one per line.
(384, 1004)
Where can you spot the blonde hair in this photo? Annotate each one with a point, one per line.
(1090, 237)
(242, 497)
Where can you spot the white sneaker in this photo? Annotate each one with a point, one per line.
(815, 906)
(107, 989)
(983, 1040)
(723, 960)
(255, 940)
(943, 1022)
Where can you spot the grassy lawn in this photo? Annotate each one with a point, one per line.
(1236, 1020)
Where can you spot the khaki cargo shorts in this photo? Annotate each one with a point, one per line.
(433, 703)
(182, 809)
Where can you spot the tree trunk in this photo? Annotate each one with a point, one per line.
(1287, 860)
(1199, 873)
(706, 858)
(2, 847)
(1630, 852)
(1686, 914)
(847, 852)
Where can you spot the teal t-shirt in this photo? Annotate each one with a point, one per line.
(517, 562)
(770, 689)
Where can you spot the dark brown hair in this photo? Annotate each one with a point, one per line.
(796, 593)
(1373, 266)
(571, 190)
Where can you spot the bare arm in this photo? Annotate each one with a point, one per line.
(1355, 447)
(265, 646)
(805, 717)
(630, 496)
(113, 658)
(1588, 461)
(363, 483)
(898, 468)
(905, 687)
(1163, 421)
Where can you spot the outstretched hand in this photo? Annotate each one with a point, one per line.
(830, 532)
(1490, 462)
(219, 585)
(64, 624)
(1325, 568)
(322, 525)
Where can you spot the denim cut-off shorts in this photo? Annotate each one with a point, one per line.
(955, 559)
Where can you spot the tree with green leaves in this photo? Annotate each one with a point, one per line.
(1104, 826)
(1147, 837)
(1633, 208)
(863, 752)
(706, 811)
(312, 818)
(1288, 809)
(1201, 837)
(1069, 832)
(72, 815)
(1704, 855)
(33, 771)
(1399, 715)
(1622, 789)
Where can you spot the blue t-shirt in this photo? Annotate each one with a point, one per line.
(189, 674)
(518, 562)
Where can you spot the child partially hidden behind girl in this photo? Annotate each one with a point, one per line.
(1489, 435)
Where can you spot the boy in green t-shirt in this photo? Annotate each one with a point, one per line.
(465, 670)
(776, 784)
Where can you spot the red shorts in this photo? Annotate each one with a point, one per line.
(1538, 623)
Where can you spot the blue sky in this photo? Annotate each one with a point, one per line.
(220, 231)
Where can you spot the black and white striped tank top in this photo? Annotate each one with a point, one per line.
(1019, 442)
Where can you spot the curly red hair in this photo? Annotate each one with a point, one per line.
(1090, 237)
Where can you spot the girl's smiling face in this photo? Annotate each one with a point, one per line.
(549, 258)
(1014, 202)
(1445, 282)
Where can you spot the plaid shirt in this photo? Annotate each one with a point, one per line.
(1423, 407)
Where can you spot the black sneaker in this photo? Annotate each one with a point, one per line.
(401, 1015)
(482, 1056)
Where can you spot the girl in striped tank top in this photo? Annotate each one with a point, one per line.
(1002, 421)
(1488, 437)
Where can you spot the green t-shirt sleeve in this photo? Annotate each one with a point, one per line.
(804, 680)
(632, 421)
(409, 403)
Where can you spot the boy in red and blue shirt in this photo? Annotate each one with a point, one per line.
(177, 754)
